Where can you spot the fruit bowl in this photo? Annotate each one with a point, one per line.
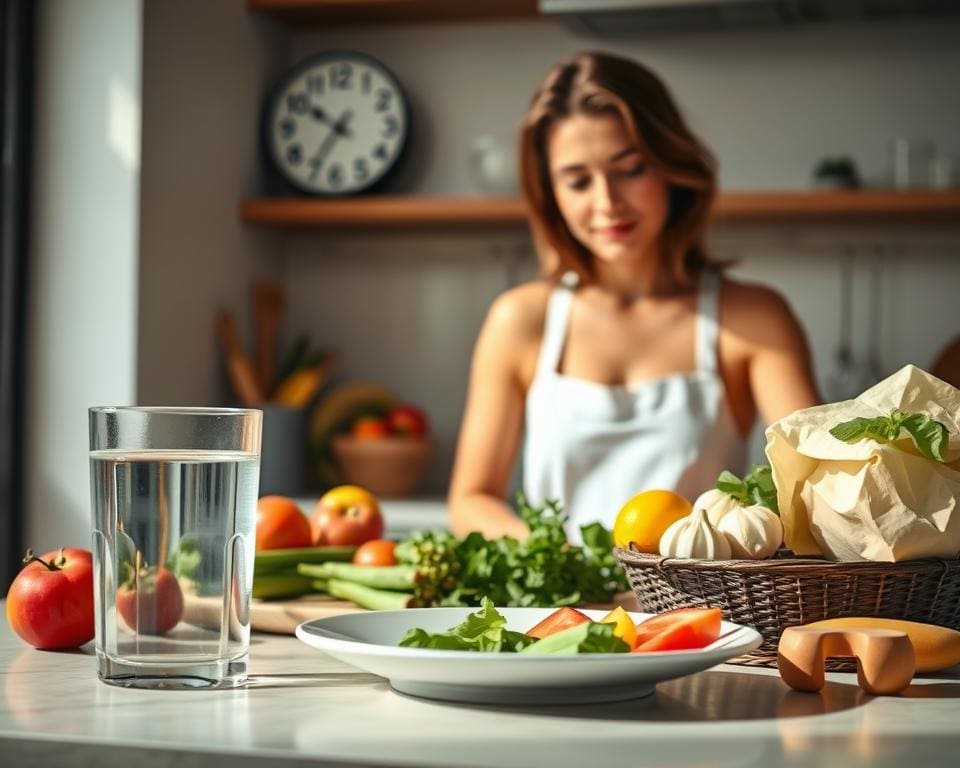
(391, 466)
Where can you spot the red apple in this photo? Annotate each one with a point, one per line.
(346, 515)
(407, 420)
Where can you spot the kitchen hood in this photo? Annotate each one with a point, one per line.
(625, 17)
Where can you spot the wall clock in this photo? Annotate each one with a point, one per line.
(336, 124)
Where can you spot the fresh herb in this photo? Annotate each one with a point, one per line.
(184, 561)
(544, 570)
(757, 487)
(929, 436)
(486, 630)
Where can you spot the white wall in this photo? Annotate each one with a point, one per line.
(205, 66)
(82, 309)
(404, 308)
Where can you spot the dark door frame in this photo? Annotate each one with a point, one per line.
(17, 32)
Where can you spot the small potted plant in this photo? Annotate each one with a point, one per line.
(836, 173)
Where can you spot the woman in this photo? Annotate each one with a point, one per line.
(633, 364)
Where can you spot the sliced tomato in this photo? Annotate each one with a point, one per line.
(562, 618)
(624, 628)
(678, 630)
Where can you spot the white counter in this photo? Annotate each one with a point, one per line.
(303, 708)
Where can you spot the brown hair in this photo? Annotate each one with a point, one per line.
(596, 84)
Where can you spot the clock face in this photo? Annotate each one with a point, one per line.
(336, 124)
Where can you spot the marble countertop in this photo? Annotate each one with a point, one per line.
(301, 707)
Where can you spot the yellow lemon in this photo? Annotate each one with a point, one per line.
(643, 519)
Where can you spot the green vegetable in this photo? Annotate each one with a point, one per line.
(278, 585)
(184, 561)
(401, 577)
(930, 436)
(366, 597)
(757, 487)
(484, 630)
(274, 560)
(544, 570)
(588, 637)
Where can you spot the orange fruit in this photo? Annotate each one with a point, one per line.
(644, 518)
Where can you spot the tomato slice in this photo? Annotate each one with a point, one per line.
(678, 630)
(562, 618)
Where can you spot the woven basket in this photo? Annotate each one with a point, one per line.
(786, 591)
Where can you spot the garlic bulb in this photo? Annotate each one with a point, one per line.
(694, 536)
(754, 532)
(716, 503)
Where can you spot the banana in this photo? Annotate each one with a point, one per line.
(935, 647)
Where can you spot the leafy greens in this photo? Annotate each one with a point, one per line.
(544, 570)
(486, 630)
(929, 436)
(757, 487)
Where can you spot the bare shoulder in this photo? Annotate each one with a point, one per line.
(520, 312)
(756, 312)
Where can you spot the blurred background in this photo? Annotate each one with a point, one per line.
(144, 146)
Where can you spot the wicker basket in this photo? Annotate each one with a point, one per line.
(785, 591)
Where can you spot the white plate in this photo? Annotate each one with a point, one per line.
(369, 641)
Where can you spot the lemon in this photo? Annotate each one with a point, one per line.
(643, 519)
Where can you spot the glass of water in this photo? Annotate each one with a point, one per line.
(173, 499)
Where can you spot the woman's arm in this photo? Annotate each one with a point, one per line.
(492, 425)
(769, 341)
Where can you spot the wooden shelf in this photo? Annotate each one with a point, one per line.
(840, 207)
(382, 211)
(330, 12)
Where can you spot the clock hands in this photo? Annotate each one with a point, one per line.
(320, 115)
(338, 129)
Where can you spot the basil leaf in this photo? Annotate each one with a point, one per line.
(930, 437)
(763, 490)
(733, 485)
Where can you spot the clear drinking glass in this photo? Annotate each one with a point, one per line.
(173, 499)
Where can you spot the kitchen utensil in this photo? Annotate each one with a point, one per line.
(268, 306)
(174, 496)
(885, 658)
(506, 678)
(239, 369)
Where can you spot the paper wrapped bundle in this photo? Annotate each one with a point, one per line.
(870, 499)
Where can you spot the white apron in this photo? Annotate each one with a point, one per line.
(593, 446)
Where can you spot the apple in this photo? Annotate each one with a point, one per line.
(407, 420)
(347, 515)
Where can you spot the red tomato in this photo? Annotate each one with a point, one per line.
(562, 618)
(50, 602)
(346, 515)
(370, 427)
(281, 524)
(376, 552)
(153, 605)
(677, 630)
(408, 420)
